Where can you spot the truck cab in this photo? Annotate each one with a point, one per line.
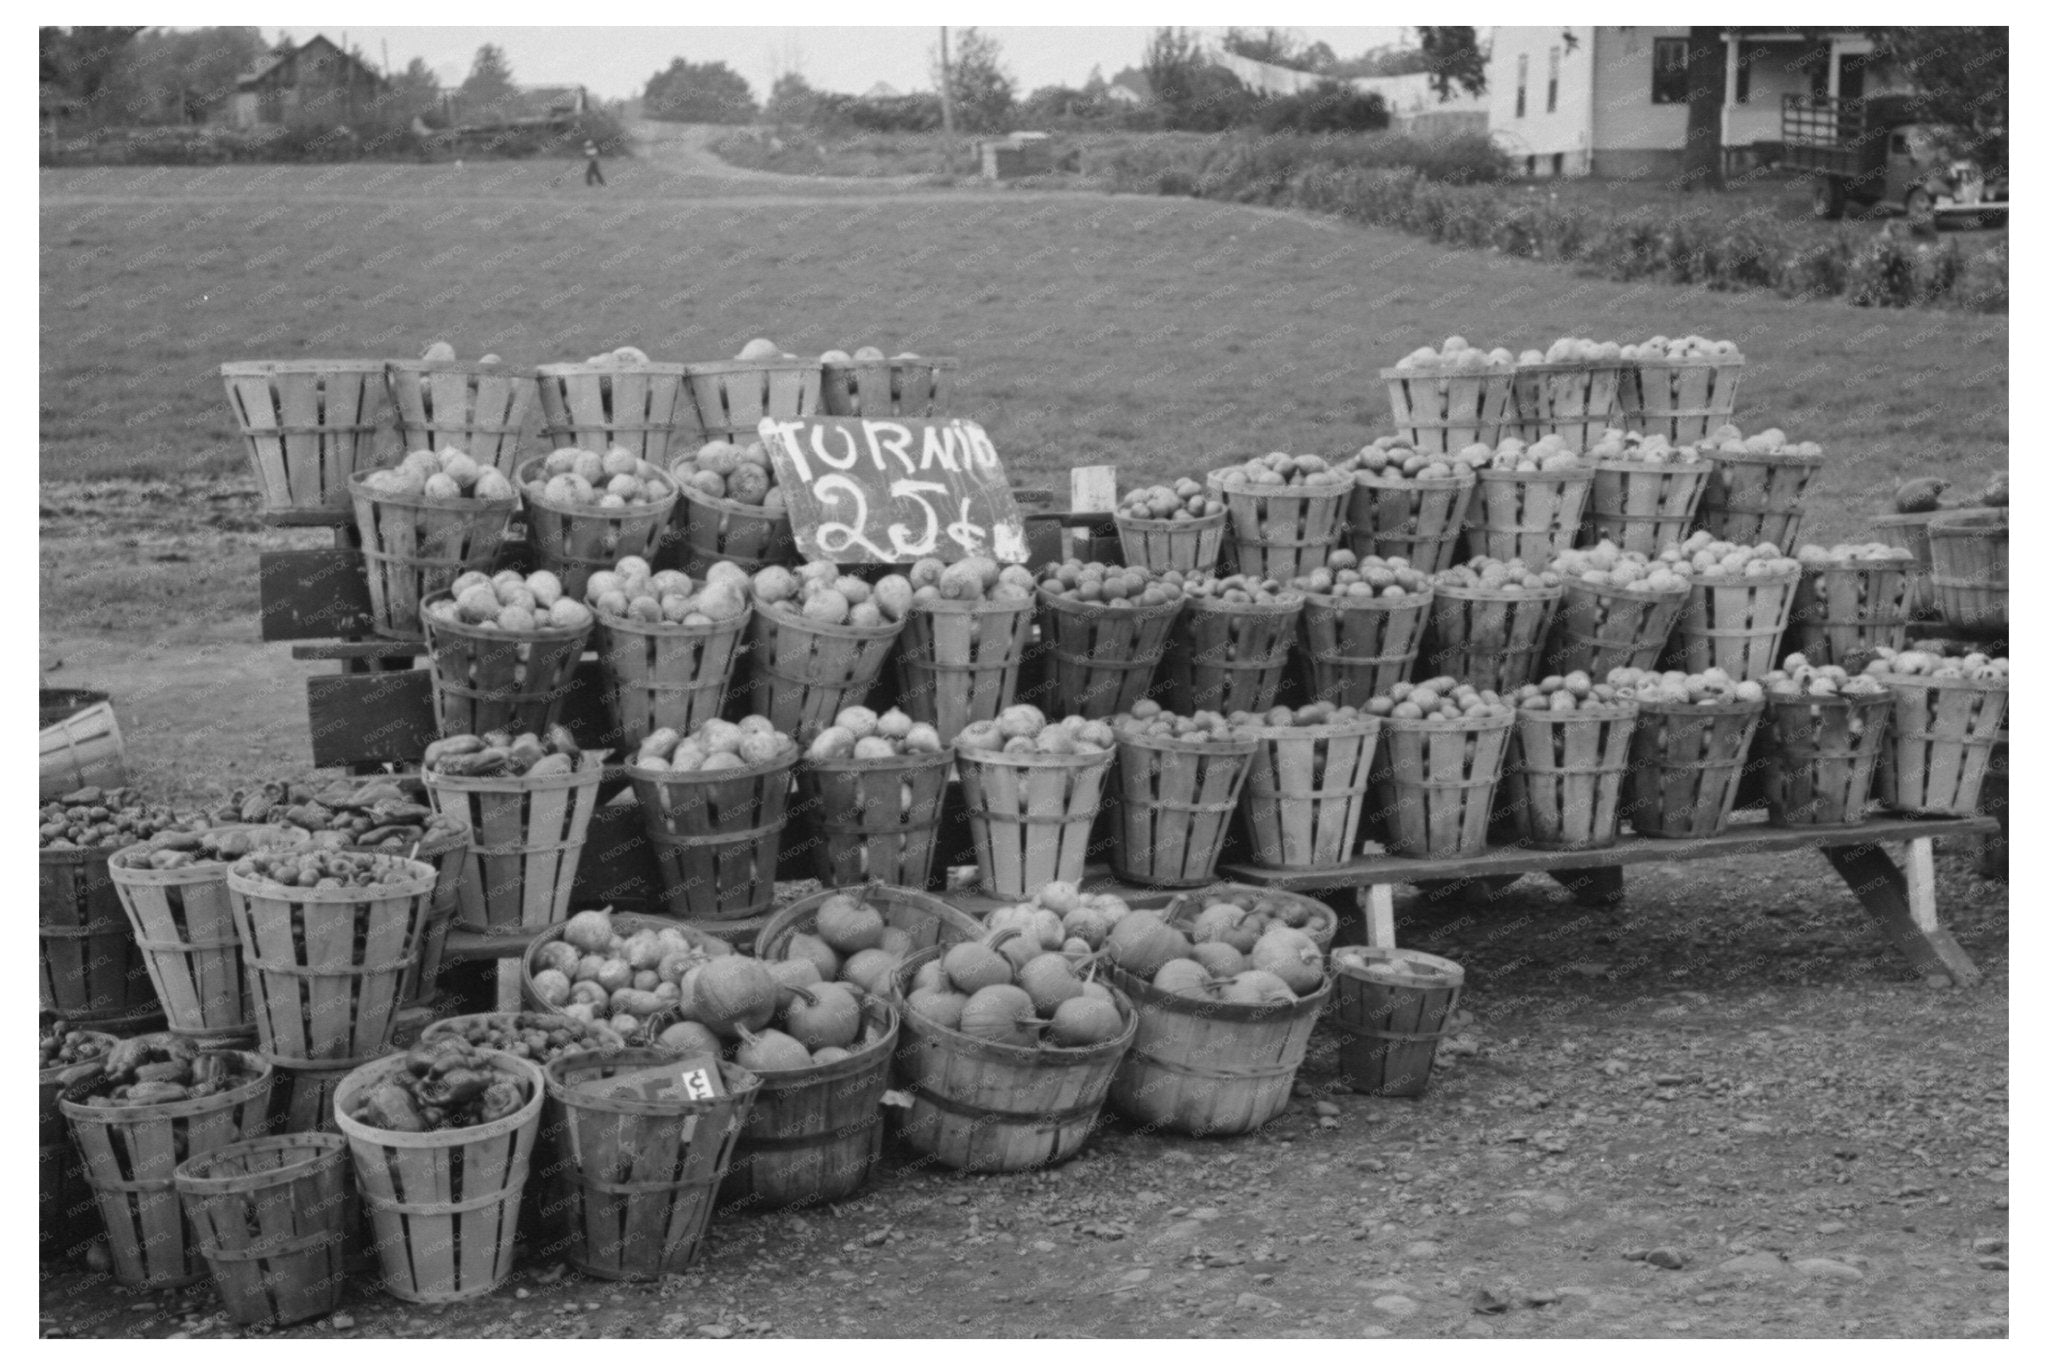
(1882, 151)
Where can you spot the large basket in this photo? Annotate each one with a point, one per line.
(1644, 507)
(884, 388)
(1756, 498)
(663, 675)
(815, 1134)
(1283, 531)
(959, 661)
(302, 1092)
(415, 548)
(1820, 757)
(271, 1216)
(1433, 784)
(443, 1205)
(1841, 611)
(1576, 400)
(501, 680)
(732, 396)
(1359, 647)
(131, 1154)
(720, 530)
(717, 836)
(326, 968)
(1031, 815)
(1908, 531)
(1101, 660)
(1393, 1006)
(873, 819)
(1489, 639)
(1530, 515)
(307, 425)
(1305, 794)
(1938, 747)
(1229, 656)
(1564, 776)
(577, 541)
(1682, 400)
(1598, 628)
(1174, 803)
(478, 409)
(80, 743)
(1441, 414)
(526, 837)
(639, 1177)
(1969, 568)
(642, 408)
(1685, 764)
(984, 1106)
(91, 967)
(1157, 544)
(51, 1082)
(924, 917)
(1735, 624)
(1420, 521)
(801, 673)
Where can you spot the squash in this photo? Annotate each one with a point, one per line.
(1085, 1021)
(1050, 982)
(729, 994)
(937, 1004)
(1292, 956)
(1256, 987)
(770, 1050)
(818, 951)
(872, 969)
(1000, 1014)
(790, 973)
(1182, 976)
(1220, 959)
(1089, 925)
(848, 924)
(690, 1036)
(1142, 941)
(973, 965)
(825, 1015)
(552, 987)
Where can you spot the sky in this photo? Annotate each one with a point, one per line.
(614, 63)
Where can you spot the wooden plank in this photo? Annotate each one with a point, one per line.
(1379, 916)
(1920, 883)
(340, 518)
(1882, 889)
(370, 717)
(313, 594)
(1594, 886)
(367, 650)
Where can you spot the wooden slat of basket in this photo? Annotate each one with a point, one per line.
(863, 830)
(958, 666)
(1417, 521)
(1685, 763)
(1970, 567)
(1735, 624)
(1228, 657)
(1838, 611)
(1938, 748)
(1359, 647)
(1527, 516)
(1644, 507)
(666, 675)
(186, 930)
(1192, 546)
(1599, 629)
(1574, 400)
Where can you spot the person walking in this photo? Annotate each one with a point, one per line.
(593, 174)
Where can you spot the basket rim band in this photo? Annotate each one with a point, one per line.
(1439, 784)
(926, 665)
(1089, 661)
(173, 945)
(948, 1105)
(1319, 794)
(436, 1208)
(273, 968)
(267, 1248)
(1072, 817)
(800, 1141)
(466, 428)
(1345, 1026)
(573, 1175)
(521, 850)
(334, 429)
(670, 839)
(906, 830)
(1263, 1073)
(1199, 808)
(1365, 660)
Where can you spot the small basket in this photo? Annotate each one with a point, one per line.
(1735, 624)
(717, 836)
(480, 410)
(1939, 745)
(1229, 656)
(1598, 628)
(1441, 414)
(909, 387)
(1305, 794)
(1969, 558)
(1421, 521)
(732, 396)
(1754, 499)
(1489, 639)
(1530, 515)
(1685, 764)
(1359, 647)
(873, 819)
(1908, 531)
(91, 969)
(927, 919)
(1101, 659)
(307, 425)
(80, 745)
(1841, 611)
(662, 675)
(1392, 1007)
(642, 408)
(1433, 784)
(1191, 546)
(415, 548)
(1576, 400)
(801, 673)
(959, 662)
(1644, 507)
(526, 839)
(576, 541)
(1564, 776)
(499, 679)
(1682, 400)
(1282, 531)
(719, 530)
(1175, 801)
(1031, 815)
(271, 1216)
(1820, 757)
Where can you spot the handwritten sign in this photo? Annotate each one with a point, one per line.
(869, 491)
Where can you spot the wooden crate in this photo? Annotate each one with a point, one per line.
(1564, 775)
(575, 541)
(185, 927)
(307, 426)
(1939, 746)
(705, 530)
(1441, 414)
(1305, 793)
(732, 396)
(1908, 531)
(1644, 507)
(1598, 628)
(1359, 647)
(1031, 815)
(1683, 400)
(1433, 784)
(513, 681)
(1840, 612)
(480, 410)
(414, 548)
(1175, 800)
(1734, 624)
(271, 1217)
(645, 409)
(1489, 639)
(1282, 531)
(1573, 399)
(1528, 515)
(90, 967)
(1393, 1006)
(1419, 520)
(1819, 757)
(960, 662)
(873, 819)
(1685, 765)
(664, 675)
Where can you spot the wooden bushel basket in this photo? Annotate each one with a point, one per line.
(1527, 515)
(1969, 556)
(576, 541)
(444, 1205)
(1282, 531)
(1393, 1006)
(1192, 546)
(1598, 628)
(1305, 793)
(1229, 656)
(499, 679)
(959, 662)
(1685, 764)
(271, 1217)
(91, 968)
(815, 1135)
(326, 967)
(717, 836)
(1174, 804)
(1820, 757)
(665, 675)
(1433, 784)
(1683, 400)
(1489, 639)
(873, 819)
(302, 1092)
(1358, 647)
(928, 920)
(984, 1106)
(902, 387)
(1754, 499)
(1938, 747)
(1908, 531)
(1031, 815)
(801, 673)
(1644, 507)
(131, 1154)
(1573, 399)
(1419, 520)
(526, 838)
(732, 396)
(1735, 624)
(449, 854)
(1841, 611)
(1322, 920)
(1101, 659)
(1564, 775)
(1441, 414)
(51, 1081)
(415, 548)
(307, 425)
(639, 1177)
(714, 530)
(641, 408)
(81, 743)
(625, 923)
(480, 410)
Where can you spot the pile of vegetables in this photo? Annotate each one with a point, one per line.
(731, 473)
(1350, 575)
(1874, 553)
(1727, 439)
(813, 1023)
(1713, 687)
(538, 1037)
(102, 817)
(1148, 720)
(1456, 356)
(857, 732)
(1800, 680)
(324, 869)
(1572, 692)
(1290, 717)
(1607, 565)
(375, 814)
(1229, 955)
(1634, 447)
(497, 753)
(510, 601)
(1023, 729)
(1184, 500)
(632, 591)
(1012, 987)
(848, 941)
(1693, 347)
(1202, 588)
(1515, 455)
(1484, 573)
(596, 974)
(1392, 460)
(976, 578)
(186, 848)
(1924, 495)
(1700, 556)
(64, 1045)
(1444, 698)
(1270, 473)
(818, 591)
(162, 1069)
(714, 746)
(585, 479)
(446, 475)
(1129, 586)
(1976, 665)
(446, 1083)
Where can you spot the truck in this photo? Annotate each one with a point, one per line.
(1883, 151)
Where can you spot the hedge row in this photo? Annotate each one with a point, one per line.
(212, 144)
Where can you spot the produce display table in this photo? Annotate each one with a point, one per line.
(1902, 902)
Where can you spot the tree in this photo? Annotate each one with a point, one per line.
(489, 83)
(791, 101)
(1274, 46)
(1319, 57)
(1388, 60)
(172, 76)
(413, 92)
(1705, 88)
(708, 92)
(984, 93)
(1455, 59)
(79, 61)
(1962, 76)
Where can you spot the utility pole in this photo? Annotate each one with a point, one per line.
(946, 94)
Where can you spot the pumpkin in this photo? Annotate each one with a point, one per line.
(1182, 976)
(1142, 941)
(770, 1050)
(1292, 956)
(871, 969)
(898, 941)
(1050, 982)
(1000, 1014)
(930, 977)
(825, 1056)
(848, 924)
(1257, 987)
(1089, 925)
(644, 951)
(941, 1006)
(729, 994)
(557, 956)
(1018, 946)
(790, 973)
(973, 965)
(690, 1036)
(1217, 919)
(817, 951)
(826, 1015)
(1220, 959)
(1019, 917)
(1085, 1021)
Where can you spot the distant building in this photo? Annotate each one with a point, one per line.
(312, 80)
(528, 106)
(1412, 107)
(882, 90)
(1130, 86)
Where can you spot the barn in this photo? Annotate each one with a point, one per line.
(314, 81)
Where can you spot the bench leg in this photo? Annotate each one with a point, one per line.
(1596, 887)
(1902, 903)
(1379, 915)
(507, 974)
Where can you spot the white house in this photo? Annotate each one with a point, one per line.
(1412, 106)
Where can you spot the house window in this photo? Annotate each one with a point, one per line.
(1550, 98)
(1850, 85)
(1743, 57)
(1521, 85)
(1667, 71)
